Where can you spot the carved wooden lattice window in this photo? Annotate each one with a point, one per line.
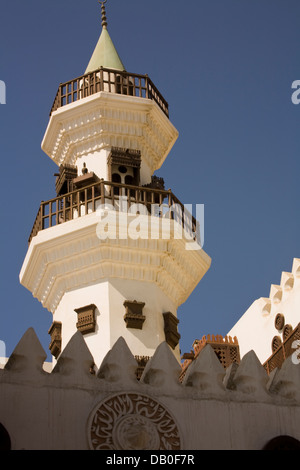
(142, 362)
(64, 180)
(124, 166)
(86, 319)
(279, 321)
(55, 333)
(171, 331)
(134, 317)
(287, 330)
(226, 354)
(276, 343)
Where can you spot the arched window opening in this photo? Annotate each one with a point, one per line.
(116, 178)
(124, 167)
(283, 443)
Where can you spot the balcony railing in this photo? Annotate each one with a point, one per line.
(283, 351)
(111, 81)
(120, 197)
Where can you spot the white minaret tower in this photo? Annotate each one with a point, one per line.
(113, 254)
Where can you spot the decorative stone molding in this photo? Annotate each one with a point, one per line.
(281, 308)
(130, 421)
(134, 317)
(119, 368)
(276, 293)
(86, 319)
(70, 255)
(296, 267)
(55, 333)
(123, 156)
(170, 327)
(109, 120)
(266, 306)
(159, 410)
(287, 281)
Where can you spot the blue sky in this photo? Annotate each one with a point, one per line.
(226, 68)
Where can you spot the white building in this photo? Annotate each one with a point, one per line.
(270, 326)
(112, 256)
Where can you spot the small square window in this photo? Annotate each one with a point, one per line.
(171, 332)
(134, 317)
(55, 344)
(86, 319)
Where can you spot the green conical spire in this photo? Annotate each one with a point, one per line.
(105, 54)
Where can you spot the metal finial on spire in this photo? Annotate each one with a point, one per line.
(104, 20)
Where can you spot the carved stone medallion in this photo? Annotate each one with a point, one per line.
(132, 421)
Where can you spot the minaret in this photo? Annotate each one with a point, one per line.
(113, 254)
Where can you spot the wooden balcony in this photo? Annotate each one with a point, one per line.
(111, 81)
(88, 199)
(283, 350)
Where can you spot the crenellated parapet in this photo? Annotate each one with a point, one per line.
(38, 406)
(259, 328)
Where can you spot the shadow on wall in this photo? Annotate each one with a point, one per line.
(5, 443)
(283, 443)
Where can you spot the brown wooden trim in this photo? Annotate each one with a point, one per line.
(170, 328)
(134, 317)
(86, 319)
(283, 351)
(55, 334)
(142, 362)
(123, 83)
(279, 321)
(63, 208)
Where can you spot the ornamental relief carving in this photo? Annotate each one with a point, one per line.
(87, 129)
(69, 267)
(131, 421)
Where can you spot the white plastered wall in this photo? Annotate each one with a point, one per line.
(97, 162)
(256, 328)
(109, 297)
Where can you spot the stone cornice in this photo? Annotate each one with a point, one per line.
(105, 120)
(71, 256)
